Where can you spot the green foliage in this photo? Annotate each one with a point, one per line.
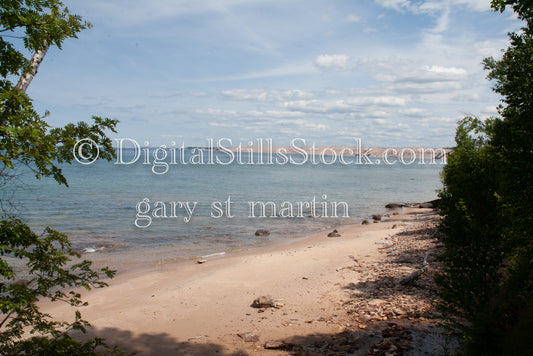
(48, 276)
(471, 227)
(487, 284)
(52, 270)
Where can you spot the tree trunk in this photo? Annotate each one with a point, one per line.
(27, 77)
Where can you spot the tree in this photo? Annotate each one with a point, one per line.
(487, 282)
(54, 270)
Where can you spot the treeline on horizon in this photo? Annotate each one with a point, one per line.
(486, 286)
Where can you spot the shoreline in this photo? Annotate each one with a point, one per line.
(101, 258)
(202, 308)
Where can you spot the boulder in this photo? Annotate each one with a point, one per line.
(427, 205)
(334, 233)
(432, 204)
(394, 206)
(248, 337)
(264, 301)
(274, 344)
(262, 232)
(365, 222)
(376, 217)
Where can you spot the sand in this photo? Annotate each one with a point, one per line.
(201, 309)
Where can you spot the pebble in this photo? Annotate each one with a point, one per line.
(248, 337)
(273, 344)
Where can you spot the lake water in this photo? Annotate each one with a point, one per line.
(118, 209)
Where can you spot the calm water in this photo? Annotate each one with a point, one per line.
(98, 211)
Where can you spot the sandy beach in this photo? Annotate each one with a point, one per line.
(332, 295)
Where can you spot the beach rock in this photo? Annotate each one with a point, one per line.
(376, 217)
(399, 311)
(262, 232)
(201, 261)
(248, 337)
(334, 233)
(264, 301)
(394, 226)
(427, 205)
(376, 302)
(436, 203)
(275, 345)
(365, 222)
(394, 206)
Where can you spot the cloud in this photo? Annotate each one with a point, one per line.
(282, 71)
(343, 105)
(381, 100)
(353, 18)
(333, 62)
(226, 68)
(398, 70)
(440, 9)
(158, 10)
(304, 124)
(454, 71)
(394, 4)
(431, 6)
(266, 94)
(415, 112)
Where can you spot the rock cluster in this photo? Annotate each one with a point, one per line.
(382, 315)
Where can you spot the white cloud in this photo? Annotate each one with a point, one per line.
(353, 18)
(317, 106)
(446, 70)
(157, 10)
(381, 100)
(398, 70)
(440, 9)
(343, 105)
(477, 5)
(304, 124)
(266, 94)
(394, 4)
(333, 62)
(227, 69)
(431, 6)
(283, 71)
(415, 112)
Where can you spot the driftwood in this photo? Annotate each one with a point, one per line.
(416, 274)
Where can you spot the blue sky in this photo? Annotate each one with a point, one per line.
(390, 72)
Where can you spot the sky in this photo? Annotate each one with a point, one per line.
(387, 72)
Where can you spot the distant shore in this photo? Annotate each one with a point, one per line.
(205, 308)
(391, 152)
